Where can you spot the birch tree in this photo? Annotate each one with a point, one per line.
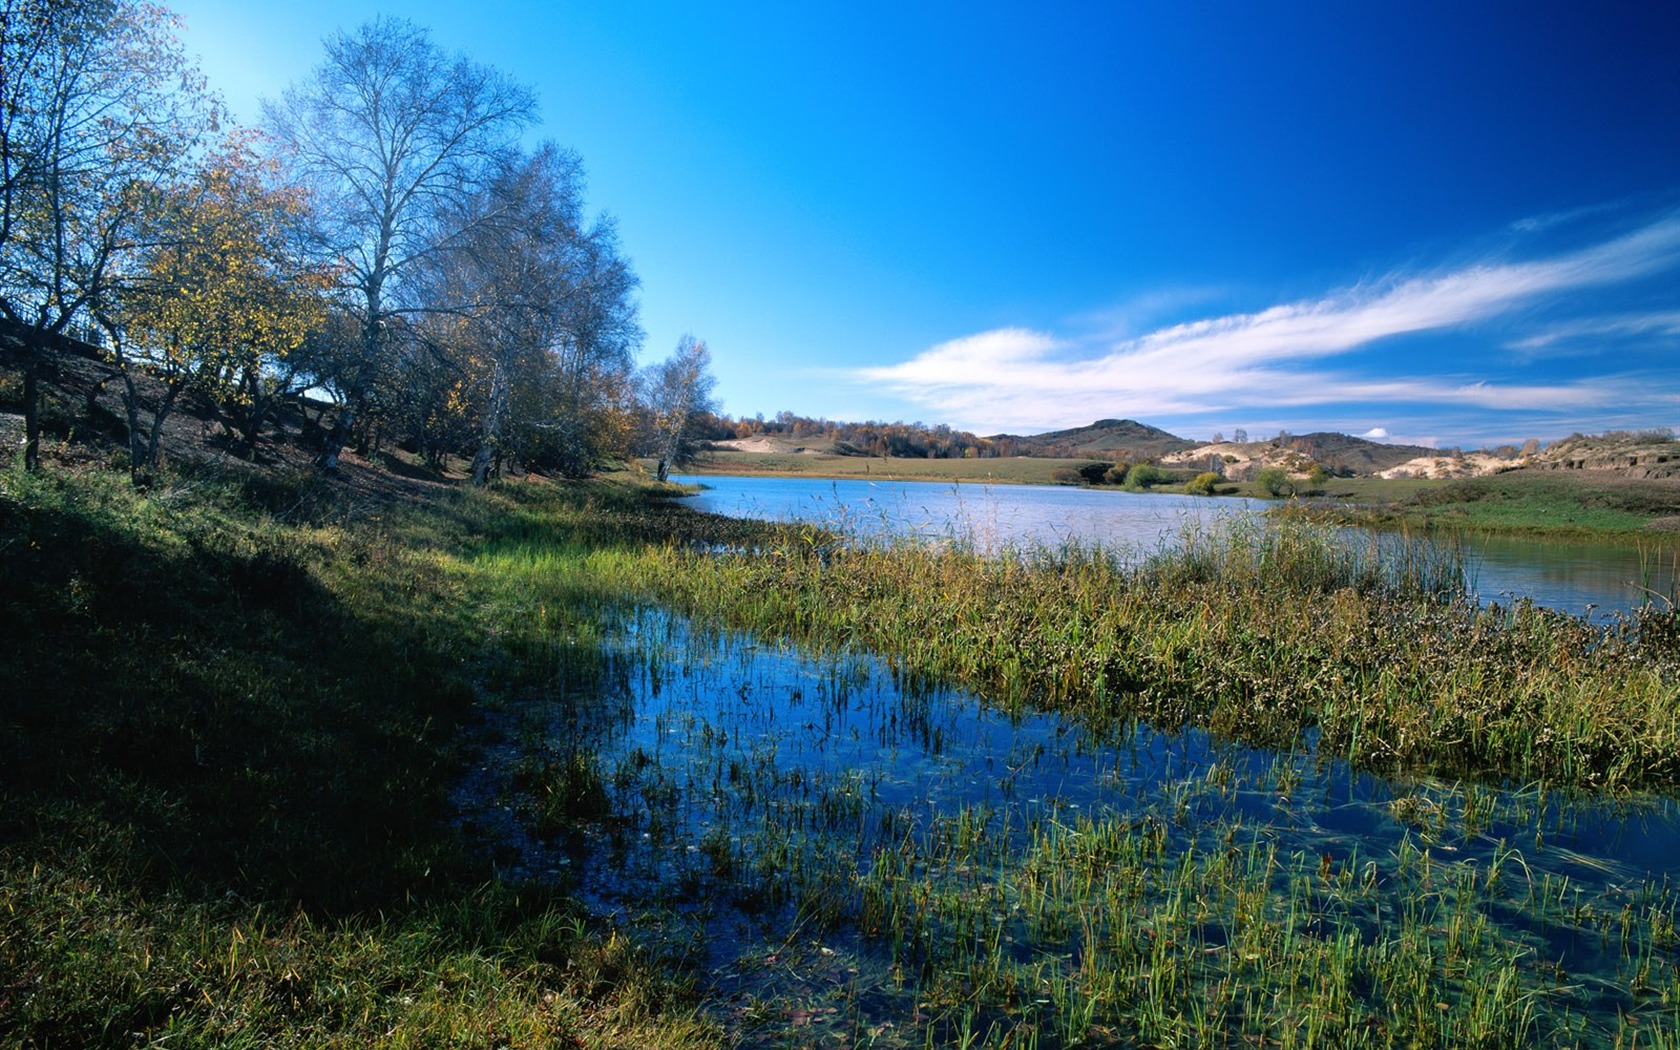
(391, 133)
(546, 325)
(677, 393)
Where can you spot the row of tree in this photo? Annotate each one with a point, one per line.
(384, 238)
(910, 440)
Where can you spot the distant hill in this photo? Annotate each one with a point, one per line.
(1341, 453)
(1117, 439)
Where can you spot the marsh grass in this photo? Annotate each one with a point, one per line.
(1259, 629)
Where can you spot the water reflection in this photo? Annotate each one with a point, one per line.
(1573, 577)
(759, 804)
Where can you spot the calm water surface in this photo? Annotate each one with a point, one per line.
(1573, 577)
(753, 788)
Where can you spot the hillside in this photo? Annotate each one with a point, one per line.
(1635, 454)
(1338, 454)
(1117, 439)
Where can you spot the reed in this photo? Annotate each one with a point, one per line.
(1262, 630)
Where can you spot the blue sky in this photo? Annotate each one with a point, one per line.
(1450, 223)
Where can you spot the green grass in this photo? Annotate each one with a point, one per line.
(1585, 504)
(226, 742)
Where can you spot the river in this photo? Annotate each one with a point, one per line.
(1579, 578)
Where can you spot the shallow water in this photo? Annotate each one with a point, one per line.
(1577, 578)
(758, 796)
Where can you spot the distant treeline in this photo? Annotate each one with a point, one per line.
(871, 438)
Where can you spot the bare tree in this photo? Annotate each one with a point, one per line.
(99, 108)
(392, 133)
(543, 333)
(585, 391)
(677, 392)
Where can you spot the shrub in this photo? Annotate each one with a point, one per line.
(1275, 481)
(1202, 484)
(1116, 475)
(1093, 473)
(1144, 475)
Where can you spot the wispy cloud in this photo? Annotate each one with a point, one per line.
(1656, 323)
(1281, 356)
(1539, 223)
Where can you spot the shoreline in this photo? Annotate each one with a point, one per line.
(1563, 507)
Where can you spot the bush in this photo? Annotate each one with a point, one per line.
(1202, 484)
(1116, 475)
(1144, 475)
(1275, 481)
(1066, 476)
(1093, 473)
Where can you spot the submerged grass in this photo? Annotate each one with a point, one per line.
(1034, 887)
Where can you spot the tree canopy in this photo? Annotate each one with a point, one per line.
(383, 239)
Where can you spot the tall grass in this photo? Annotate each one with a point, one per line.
(1259, 629)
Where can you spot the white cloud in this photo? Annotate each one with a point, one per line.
(1376, 434)
(1539, 223)
(1015, 377)
(1662, 323)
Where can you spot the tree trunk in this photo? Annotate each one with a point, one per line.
(32, 412)
(372, 328)
(337, 437)
(136, 450)
(481, 465)
(161, 413)
(495, 410)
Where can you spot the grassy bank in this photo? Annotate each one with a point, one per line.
(1012, 471)
(1580, 504)
(230, 719)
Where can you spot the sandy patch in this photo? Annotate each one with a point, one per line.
(752, 444)
(1469, 465)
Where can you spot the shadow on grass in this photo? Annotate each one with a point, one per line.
(197, 689)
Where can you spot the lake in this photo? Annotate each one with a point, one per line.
(1579, 578)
